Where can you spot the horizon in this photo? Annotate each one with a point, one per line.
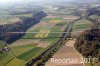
(8, 2)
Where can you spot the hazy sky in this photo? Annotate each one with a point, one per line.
(2, 1)
(5, 1)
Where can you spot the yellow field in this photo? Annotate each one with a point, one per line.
(55, 21)
(42, 35)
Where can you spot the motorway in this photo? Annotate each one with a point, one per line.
(52, 49)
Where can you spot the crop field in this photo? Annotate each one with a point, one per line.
(18, 53)
(30, 54)
(18, 50)
(51, 36)
(23, 58)
(31, 35)
(18, 62)
(24, 15)
(61, 24)
(94, 17)
(42, 35)
(49, 19)
(55, 21)
(45, 28)
(1, 44)
(41, 30)
(8, 19)
(82, 25)
(5, 58)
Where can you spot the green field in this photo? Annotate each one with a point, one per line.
(18, 50)
(29, 54)
(20, 54)
(16, 62)
(52, 36)
(32, 34)
(8, 19)
(1, 44)
(82, 25)
(45, 28)
(61, 24)
(48, 19)
(25, 15)
(5, 57)
(94, 17)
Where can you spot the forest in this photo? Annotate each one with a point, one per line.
(88, 43)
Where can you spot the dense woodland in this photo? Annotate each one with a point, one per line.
(22, 26)
(88, 43)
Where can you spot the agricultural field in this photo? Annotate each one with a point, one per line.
(49, 19)
(20, 54)
(42, 35)
(51, 36)
(18, 50)
(5, 57)
(1, 44)
(24, 57)
(28, 47)
(24, 15)
(30, 54)
(47, 25)
(18, 62)
(8, 19)
(94, 17)
(82, 25)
